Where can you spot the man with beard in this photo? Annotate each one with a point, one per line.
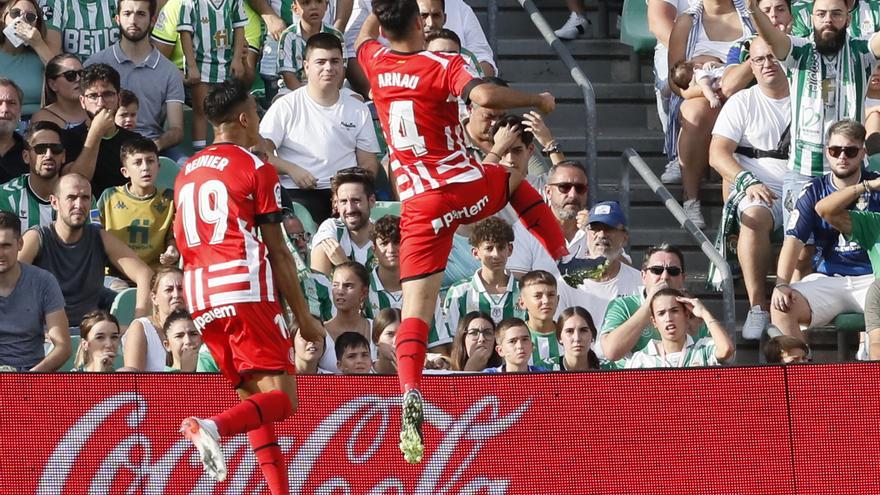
(864, 18)
(828, 77)
(28, 195)
(77, 253)
(843, 269)
(145, 72)
(435, 17)
(11, 143)
(93, 146)
(346, 238)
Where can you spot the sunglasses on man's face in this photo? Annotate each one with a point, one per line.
(673, 271)
(29, 17)
(565, 187)
(70, 75)
(849, 151)
(55, 148)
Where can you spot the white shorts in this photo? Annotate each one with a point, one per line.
(831, 296)
(775, 209)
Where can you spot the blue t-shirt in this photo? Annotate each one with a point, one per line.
(835, 255)
(500, 369)
(23, 317)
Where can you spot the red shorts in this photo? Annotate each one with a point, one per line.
(429, 219)
(246, 338)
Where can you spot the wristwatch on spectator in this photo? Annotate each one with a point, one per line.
(551, 148)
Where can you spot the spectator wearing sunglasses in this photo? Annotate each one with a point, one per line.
(24, 53)
(842, 266)
(627, 328)
(61, 94)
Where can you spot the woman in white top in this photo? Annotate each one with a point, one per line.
(351, 283)
(142, 342)
(709, 27)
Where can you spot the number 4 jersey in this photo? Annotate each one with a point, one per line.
(222, 195)
(416, 97)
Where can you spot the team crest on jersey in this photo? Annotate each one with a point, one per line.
(161, 207)
(471, 70)
(278, 194)
(496, 314)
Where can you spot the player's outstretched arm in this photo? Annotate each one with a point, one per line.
(501, 98)
(284, 272)
(369, 31)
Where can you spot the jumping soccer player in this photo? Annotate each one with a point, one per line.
(440, 185)
(224, 194)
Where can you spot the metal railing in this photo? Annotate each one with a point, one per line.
(576, 74)
(631, 158)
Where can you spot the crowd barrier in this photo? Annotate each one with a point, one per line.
(808, 429)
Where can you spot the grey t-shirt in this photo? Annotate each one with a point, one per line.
(23, 317)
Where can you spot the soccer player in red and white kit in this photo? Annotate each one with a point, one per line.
(440, 185)
(224, 195)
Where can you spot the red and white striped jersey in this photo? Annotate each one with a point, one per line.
(416, 97)
(219, 193)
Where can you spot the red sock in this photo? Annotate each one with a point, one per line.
(268, 453)
(411, 345)
(251, 413)
(537, 217)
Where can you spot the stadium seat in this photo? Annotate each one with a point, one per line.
(634, 26)
(874, 162)
(123, 307)
(846, 325)
(168, 170)
(383, 208)
(74, 347)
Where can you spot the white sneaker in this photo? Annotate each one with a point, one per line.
(575, 27)
(756, 322)
(693, 213)
(672, 173)
(203, 434)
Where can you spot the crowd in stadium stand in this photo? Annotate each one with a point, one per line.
(101, 100)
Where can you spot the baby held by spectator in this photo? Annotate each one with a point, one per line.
(702, 71)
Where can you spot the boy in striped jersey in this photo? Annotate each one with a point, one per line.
(492, 289)
(80, 27)
(28, 195)
(539, 296)
(292, 45)
(212, 38)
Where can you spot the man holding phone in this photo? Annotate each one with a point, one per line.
(93, 146)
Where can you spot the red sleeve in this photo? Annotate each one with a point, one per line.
(458, 75)
(365, 54)
(267, 189)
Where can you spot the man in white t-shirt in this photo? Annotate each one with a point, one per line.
(461, 19)
(315, 131)
(750, 150)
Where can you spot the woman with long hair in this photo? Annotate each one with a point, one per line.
(61, 94)
(142, 342)
(99, 344)
(349, 289)
(473, 346)
(384, 329)
(577, 333)
(24, 52)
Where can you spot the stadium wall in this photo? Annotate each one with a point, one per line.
(809, 429)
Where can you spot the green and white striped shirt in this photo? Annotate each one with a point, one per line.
(86, 26)
(16, 196)
(292, 49)
(699, 353)
(823, 91)
(316, 289)
(334, 228)
(470, 294)
(378, 298)
(545, 346)
(212, 25)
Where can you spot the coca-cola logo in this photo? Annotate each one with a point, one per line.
(370, 421)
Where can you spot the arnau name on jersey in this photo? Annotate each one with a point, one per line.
(211, 161)
(397, 79)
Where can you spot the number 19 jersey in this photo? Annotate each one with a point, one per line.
(416, 97)
(221, 194)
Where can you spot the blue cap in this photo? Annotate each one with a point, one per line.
(608, 212)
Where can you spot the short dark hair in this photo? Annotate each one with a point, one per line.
(53, 70)
(126, 97)
(682, 73)
(153, 6)
(536, 277)
(224, 100)
(137, 144)
(396, 16)
(663, 248)
(525, 136)
(459, 355)
(353, 175)
(783, 343)
(443, 34)
(349, 340)
(386, 228)
(847, 128)
(10, 221)
(99, 72)
(492, 229)
(325, 41)
(506, 324)
(176, 315)
(42, 125)
(358, 269)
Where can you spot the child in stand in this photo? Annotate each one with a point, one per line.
(513, 343)
(699, 76)
(127, 113)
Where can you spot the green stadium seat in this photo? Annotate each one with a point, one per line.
(634, 26)
(874, 162)
(74, 347)
(123, 306)
(383, 208)
(846, 325)
(305, 217)
(168, 170)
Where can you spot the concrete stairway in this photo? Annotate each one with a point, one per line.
(627, 117)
